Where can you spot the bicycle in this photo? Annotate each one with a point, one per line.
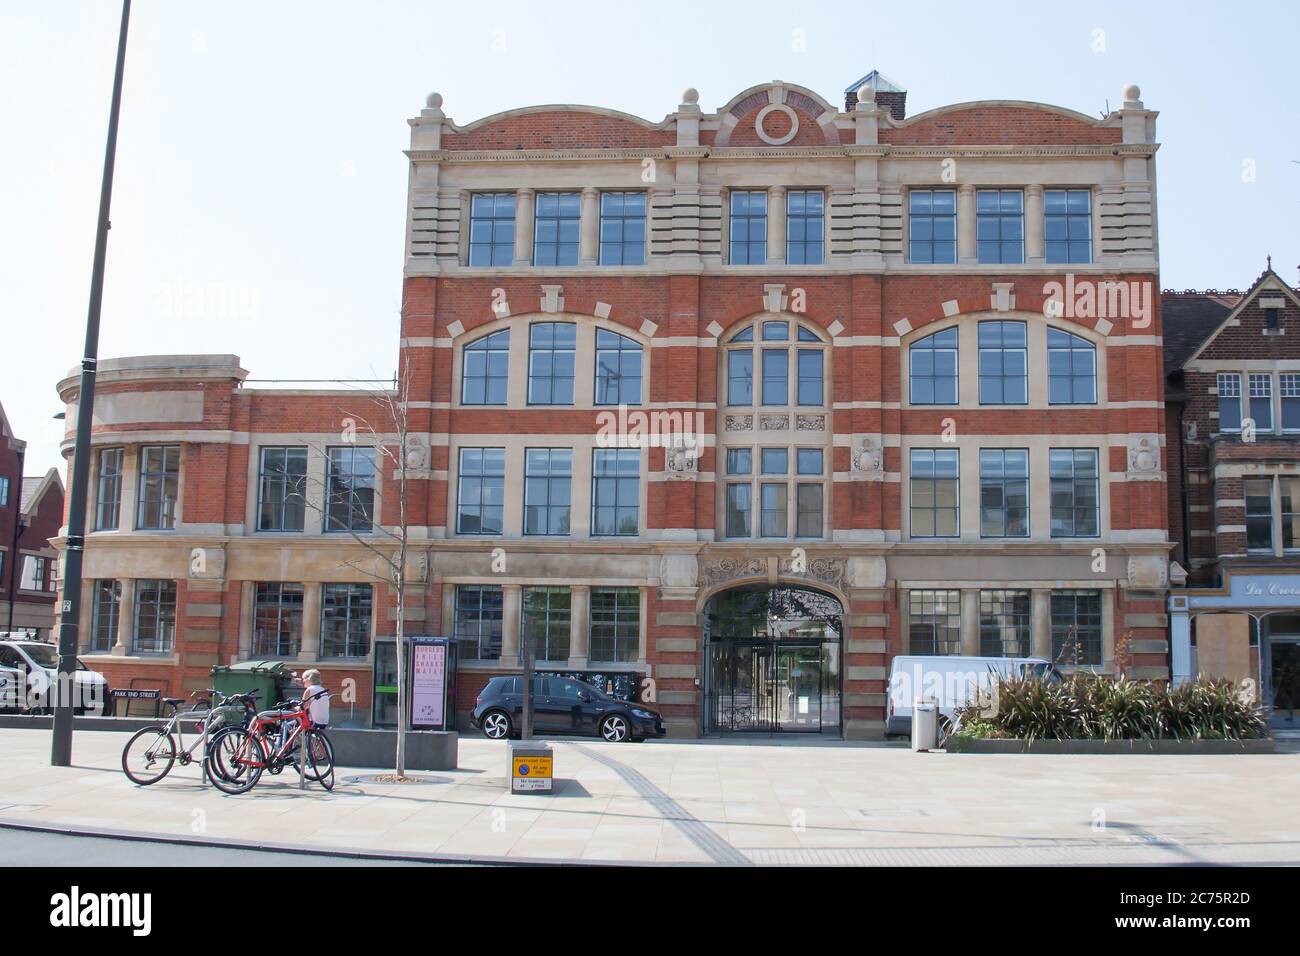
(238, 756)
(151, 752)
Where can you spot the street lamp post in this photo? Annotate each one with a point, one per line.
(70, 608)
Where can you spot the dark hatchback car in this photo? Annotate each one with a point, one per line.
(562, 706)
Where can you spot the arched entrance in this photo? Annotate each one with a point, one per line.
(772, 661)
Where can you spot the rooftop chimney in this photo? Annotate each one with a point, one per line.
(889, 94)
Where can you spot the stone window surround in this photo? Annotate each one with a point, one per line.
(897, 176)
(791, 439)
(1040, 489)
(317, 445)
(1034, 232)
(1275, 514)
(788, 442)
(129, 489)
(584, 370)
(579, 622)
(968, 359)
(580, 498)
(1243, 370)
(1040, 613)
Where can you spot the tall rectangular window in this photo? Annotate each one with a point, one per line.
(350, 489)
(933, 489)
(32, 576)
(615, 491)
(740, 377)
(1003, 363)
(1067, 225)
(108, 489)
(615, 625)
(492, 229)
(1229, 389)
(548, 480)
(547, 615)
(485, 370)
(481, 491)
(934, 622)
(155, 617)
(478, 621)
(107, 597)
(1076, 501)
(773, 520)
(556, 226)
(160, 471)
(622, 228)
(748, 227)
(282, 487)
(1076, 627)
(345, 614)
(1261, 401)
(618, 369)
(277, 619)
(1071, 369)
(933, 369)
(1004, 623)
(1289, 387)
(1000, 225)
(740, 461)
(1004, 492)
(932, 226)
(805, 227)
(1259, 513)
(811, 387)
(809, 495)
(1289, 488)
(776, 376)
(4, 492)
(551, 350)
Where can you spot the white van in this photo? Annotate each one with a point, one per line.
(28, 669)
(950, 681)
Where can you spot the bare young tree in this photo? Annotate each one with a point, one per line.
(382, 416)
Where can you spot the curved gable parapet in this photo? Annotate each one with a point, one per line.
(560, 126)
(775, 114)
(1002, 122)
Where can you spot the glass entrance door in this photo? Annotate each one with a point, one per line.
(799, 688)
(1284, 682)
(771, 687)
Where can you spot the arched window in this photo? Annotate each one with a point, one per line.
(933, 378)
(618, 369)
(777, 355)
(1071, 369)
(485, 365)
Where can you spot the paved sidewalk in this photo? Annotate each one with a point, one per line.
(706, 803)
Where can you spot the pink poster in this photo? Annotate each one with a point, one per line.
(428, 684)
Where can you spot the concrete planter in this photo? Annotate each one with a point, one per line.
(1263, 745)
(353, 747)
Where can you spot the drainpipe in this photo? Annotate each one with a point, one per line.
(13, 545)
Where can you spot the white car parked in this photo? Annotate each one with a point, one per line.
(29, 669)
(950, 681)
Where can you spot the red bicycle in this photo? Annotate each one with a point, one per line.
(273, 740)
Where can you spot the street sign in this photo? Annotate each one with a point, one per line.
(531, 769)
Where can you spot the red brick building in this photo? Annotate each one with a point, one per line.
(31, 513)
(901, 379)
(1233, 362)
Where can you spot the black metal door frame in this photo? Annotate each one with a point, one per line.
(751, 705)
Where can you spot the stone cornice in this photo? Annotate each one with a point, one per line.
(851, 151)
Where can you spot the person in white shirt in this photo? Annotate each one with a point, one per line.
(316, 698)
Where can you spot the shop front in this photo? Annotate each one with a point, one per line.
(1248, 630)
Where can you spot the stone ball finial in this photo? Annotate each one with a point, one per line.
(434, 101)
(1132, 92)
(866, 94)
(691, 96)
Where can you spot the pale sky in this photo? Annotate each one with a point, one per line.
(260, 191)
